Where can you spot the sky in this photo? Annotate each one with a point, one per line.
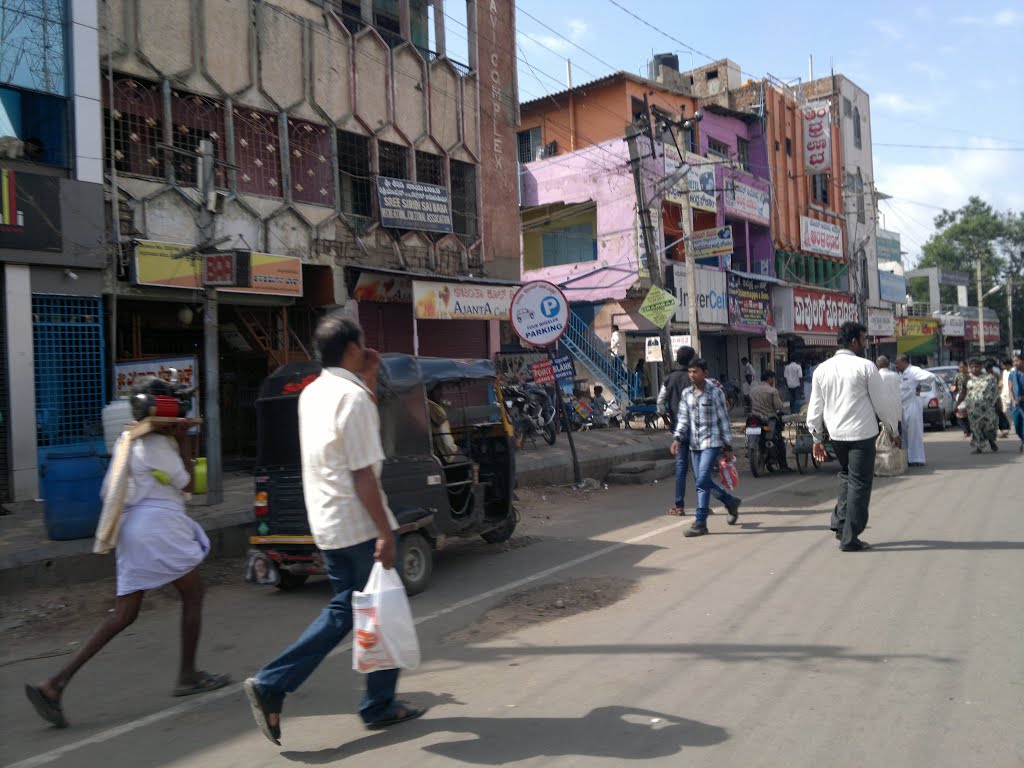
(943, 75)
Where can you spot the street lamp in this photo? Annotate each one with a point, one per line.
(1009, 307)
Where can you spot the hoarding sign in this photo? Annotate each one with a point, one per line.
(408, 204)
(887, 246)
(746, 202)
(701, 180)
(178, 265)
(917, 336)
(892, 287)
(750, 303)
(881, 323)
(659, 306)
(949, 277)
(819, 312)
(461, 301)
(821, 237)
(817, 137)
(708, 243)
(712, 301)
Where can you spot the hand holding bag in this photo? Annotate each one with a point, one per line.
(890, 460)
(385, 635)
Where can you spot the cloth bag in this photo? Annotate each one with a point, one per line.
(385, 635)
(890, 460)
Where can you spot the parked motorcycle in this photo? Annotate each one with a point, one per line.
(765, 446)
(531, 411)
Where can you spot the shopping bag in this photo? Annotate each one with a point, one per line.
(385, 635)
(890, 460)
(729, 474)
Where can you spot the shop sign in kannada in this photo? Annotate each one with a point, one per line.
(706, 243)
(682, 340)
(652, 349)
(818, 312)
(746, 202)
(539, 313)
(461, 301)
(821, 237)
(953, 325)
(881, 323)
(408, 204)
(750, 303)
(991, 330)
(267, 274)
(701, 181)
(659, 306)
(817, 135)
(128, 372)
(166, 265)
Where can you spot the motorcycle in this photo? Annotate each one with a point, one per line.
(531, 411)
(765, 445)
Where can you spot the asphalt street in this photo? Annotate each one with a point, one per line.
(601, 637)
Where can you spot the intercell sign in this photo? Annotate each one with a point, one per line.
(539, 313)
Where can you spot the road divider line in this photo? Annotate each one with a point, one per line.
(209, 698)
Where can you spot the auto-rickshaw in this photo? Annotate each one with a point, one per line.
(449, 469)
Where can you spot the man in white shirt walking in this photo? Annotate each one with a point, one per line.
(848, 397)
(747, 382)
(342, 456)
(911, 379)
(617, 342)
(891, 379)
(794, 374)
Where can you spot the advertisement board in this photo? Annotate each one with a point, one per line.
(953, 325)
(821, 237)
(991, 330)
(267, 274)
(712, 301)
(917, 336)
(543, 373)
(29, 211)
(892, 287)
(179, 265)
(652, 349)
(701, 180)
(706, 243)
(461, 301)
(881, 323)
(750, 303)
(164, 265)
(126, 373)
(408, 204)
(887, 246)
(820, 312)
(383, 289)
(659, 306)
(817, 137)
(746, 202)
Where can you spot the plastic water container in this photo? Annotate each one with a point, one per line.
(71, 486)
(200, 485)
(116, 415)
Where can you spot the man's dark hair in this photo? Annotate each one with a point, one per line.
(615, 327)
(767, 375)
(849, 333)
(990, 363)
(744, 360)
(333, 335)
(684, 355)
(977, 361)
(598, 390)
(1007, 361)
(699, 362)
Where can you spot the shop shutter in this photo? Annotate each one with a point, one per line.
(453, 338)
(5, 414)
(388, 327)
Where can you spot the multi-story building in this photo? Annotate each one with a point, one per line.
(53, 243)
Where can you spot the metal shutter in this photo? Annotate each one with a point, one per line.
(453, 338)
(5, 420)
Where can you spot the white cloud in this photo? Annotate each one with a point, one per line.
(923, 12)
(576, 32)
(901, 105)
(928, 70)
(888, 29)
(1007, 17)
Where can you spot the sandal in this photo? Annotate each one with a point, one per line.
(205, 682)
(676, 511)
(261, 711)
(49, 709)
(403, 711)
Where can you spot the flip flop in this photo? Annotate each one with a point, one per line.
(261, 711)
(676, 511)
(204, 684)
(403, 711)
(48, 709)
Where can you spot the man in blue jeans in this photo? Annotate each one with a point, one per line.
(702, 426)
(1016, 386)
(342, 456)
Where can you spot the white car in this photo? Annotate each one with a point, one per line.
(937, 402)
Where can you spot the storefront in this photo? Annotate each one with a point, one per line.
(817, 317)
(751, 321)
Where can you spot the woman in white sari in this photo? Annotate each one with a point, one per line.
(157, 544)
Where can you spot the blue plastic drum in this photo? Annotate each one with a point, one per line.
(71, 488)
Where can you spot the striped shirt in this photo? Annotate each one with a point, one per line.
(339, 433)
(703, 419)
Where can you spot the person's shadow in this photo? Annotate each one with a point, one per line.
(626, 733)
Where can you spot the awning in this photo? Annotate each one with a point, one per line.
(818, 339)
(411, 275)
(752, 276)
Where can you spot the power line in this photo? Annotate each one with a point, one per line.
(947, 146)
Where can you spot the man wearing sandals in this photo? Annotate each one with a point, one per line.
(342, 456)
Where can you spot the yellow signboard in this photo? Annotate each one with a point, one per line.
(659, 306)
(164, 265)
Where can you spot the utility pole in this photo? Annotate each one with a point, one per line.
(981, 309)
(211, 333)
(1009, 307)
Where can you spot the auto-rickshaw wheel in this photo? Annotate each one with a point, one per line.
(290, 581)
(417, 561)
(503, 532)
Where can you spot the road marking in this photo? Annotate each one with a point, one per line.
(209, 698)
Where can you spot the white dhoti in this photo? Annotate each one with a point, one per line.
(913, 431)
(157, 544)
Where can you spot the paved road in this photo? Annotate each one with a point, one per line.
(760, 645)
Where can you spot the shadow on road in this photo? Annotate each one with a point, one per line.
(624, 733)
(931, 544)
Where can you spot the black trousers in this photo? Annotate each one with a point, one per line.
(856, 476)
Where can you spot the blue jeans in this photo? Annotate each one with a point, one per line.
(682, 468)
(1018, 421)
(348, 570)
(704, 464)
(794, 399)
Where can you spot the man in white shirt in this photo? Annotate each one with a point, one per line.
(746, 382)
(848, 397)
(618, 345)
(911, 379)
(891, 379)
(794, 375)
(342, 456)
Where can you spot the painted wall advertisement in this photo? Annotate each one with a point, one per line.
(821, 237)
(887, 246)
(712, 306)
(126, 373)
(746, 202)
(461, 301)
(750, 303)
(707, 243)
(881, 323)
(817, 137)
(408, 204)
(892, 287)
(820, 312)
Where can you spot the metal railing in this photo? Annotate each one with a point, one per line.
(596, 356)
(925, 309)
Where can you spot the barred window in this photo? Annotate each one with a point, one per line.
(257, 152)
(465, 221)
(529, 143)
(135, 126)
(430, 168)
(393, 160)
(194, 118)
(354, 167)
(820, 182)
(309, 152)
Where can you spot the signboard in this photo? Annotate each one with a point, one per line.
(542, 372)
(383, 289)
(821, 237)
(267, 274)
(701, 181)
(750, 303)
(892, 287)
(881, 323)
(817, 137)
(746, 202)
(659, 306)
(819, 312)
(128, 372)
(178, 265)
(772, 335)
(539, 313)
(991, 330)
(162, 264)
(887, 246)
(408, 204)
(917, 336)
(220, 269)
(461, 301)
(706, 243)
(712, 306)
(652, 349)
(29, 211)
(948, 277)
(684, 340)
(953, 325)
(675, 192)
(564, 368)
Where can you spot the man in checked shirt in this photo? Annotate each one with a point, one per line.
(703, 427)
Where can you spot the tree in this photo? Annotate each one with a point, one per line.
(1011, 247)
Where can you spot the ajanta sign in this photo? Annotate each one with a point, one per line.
(820, 312)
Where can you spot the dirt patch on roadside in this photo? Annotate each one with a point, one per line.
(544, 603)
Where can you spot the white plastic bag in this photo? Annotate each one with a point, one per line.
(385, 636)
(890, 461)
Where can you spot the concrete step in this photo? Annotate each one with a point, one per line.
(641, 472)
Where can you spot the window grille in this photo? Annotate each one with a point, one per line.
(195, 118)
(718, 148)
(529, 142)
(856, 128)
(393, 160)
(136, 124)
(464, 210)
(309, 152)
(430, 168)
(354, 165)
(820, 185)
(257, 152)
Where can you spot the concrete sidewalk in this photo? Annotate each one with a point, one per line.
(29, 559)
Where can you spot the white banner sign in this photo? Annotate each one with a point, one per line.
(653, 349)
(708, 243)
(817, 137)
(701, 181)
(129, 372)
(821, 237)
(461, 301)
(881, 323)
(712, 300)
(953, 325)
(746, 202)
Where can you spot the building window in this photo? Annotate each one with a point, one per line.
(257, 152)
(530, 147)
(429, 168)
(847, 108)
(859, 190)
(393, 160)
(39, 121)
(389, 28)
(351, 16)
(789, 147)
(194, 118)
(856, 128)
(638, 109)
(354, 167)
(569, 245)
(690, 140)
(464, 211)
(743, 153)
(32, 51)
(712, 74)
(309, 154)
(718, 148)
(820, 182)
(135, 127)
